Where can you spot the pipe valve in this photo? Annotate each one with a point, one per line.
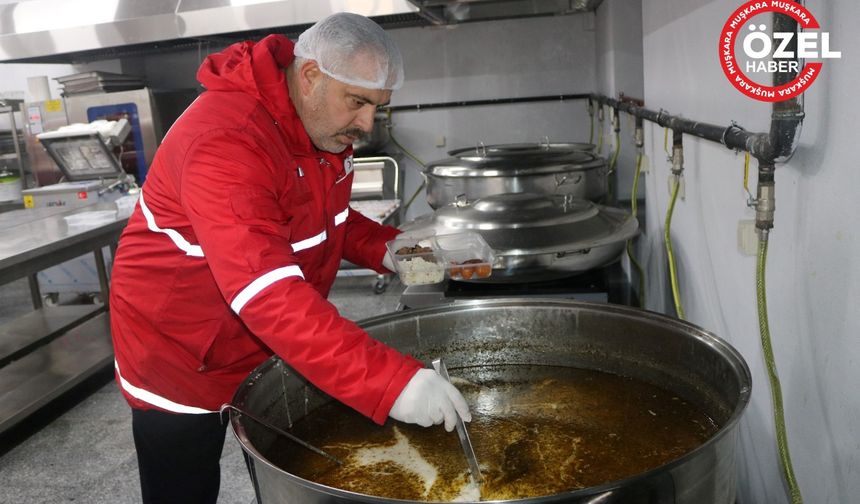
(765, 202)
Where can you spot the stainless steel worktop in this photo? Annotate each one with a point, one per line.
(34, 239)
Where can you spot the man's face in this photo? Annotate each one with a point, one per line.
(338, 114)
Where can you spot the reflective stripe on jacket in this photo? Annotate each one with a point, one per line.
(233, 247)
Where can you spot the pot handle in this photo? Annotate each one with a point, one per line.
(481, 149)
(544, 142)
(560, 180)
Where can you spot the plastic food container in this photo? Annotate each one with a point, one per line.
(429, 259)
(87, 220)
(416, 260)
(467, 256)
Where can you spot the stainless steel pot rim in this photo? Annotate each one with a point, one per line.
(508, 166)
(521, 148)
(556, 224)
(692, 330)
(516, 211)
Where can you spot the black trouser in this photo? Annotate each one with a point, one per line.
(178, 456)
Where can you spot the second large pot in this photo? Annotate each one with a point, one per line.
(579, 174)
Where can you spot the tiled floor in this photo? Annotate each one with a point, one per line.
(82, 451)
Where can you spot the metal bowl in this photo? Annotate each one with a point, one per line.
(675, 355)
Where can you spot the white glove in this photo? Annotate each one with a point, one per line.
(388, 262)
(428, 399)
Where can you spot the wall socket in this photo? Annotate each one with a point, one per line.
(747, 237)
(645, 165)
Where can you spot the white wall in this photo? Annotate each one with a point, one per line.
(812, 271)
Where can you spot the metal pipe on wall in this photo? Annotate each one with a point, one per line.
(778, 145)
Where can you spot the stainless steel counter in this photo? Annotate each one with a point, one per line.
(50, 350)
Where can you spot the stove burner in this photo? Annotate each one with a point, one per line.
(607, 284)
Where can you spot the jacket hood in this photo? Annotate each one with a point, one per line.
(257, 69)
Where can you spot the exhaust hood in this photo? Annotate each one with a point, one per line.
(441, 12)
(75, 31)
(69, 30)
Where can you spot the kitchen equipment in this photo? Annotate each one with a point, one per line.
(42, 116)
(497, 171)
(150, 113)
(376, 194)
(281, 432)
(534, 236)
(10, 183)
(12, 152)
(98, 82)
(462, 433)
(672, 354)
(608, 284)
(84, 155)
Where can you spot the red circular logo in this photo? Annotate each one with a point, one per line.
(739, 79)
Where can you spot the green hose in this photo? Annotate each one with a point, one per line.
(591, 131)
(612, 162)
(405, 150)
(775, 388)
(673, 273)
(633, 210)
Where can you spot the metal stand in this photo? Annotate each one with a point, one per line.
(49, 351)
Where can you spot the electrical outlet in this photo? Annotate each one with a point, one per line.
(680, 185)
(747, 237)
(440, 140)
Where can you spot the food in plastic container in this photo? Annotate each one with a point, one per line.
(426, 260)
(420, 271)
(467, 255)
(416, 262)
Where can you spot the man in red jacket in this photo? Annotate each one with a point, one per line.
(236, 241)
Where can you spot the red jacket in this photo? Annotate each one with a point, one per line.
(233, 247)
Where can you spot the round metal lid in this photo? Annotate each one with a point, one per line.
(526, 223)
(534, 163)
(513, 149)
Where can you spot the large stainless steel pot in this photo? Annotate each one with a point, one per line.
(580, 174)
(536, 237)
(667, 352)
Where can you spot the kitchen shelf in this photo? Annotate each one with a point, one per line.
(41, 376)
(40, 327)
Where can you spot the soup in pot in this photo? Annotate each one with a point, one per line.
(536, 430)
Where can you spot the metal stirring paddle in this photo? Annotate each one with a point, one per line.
(465, 442)
(283, 433)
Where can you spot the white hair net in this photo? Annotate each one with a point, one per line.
(354, 50)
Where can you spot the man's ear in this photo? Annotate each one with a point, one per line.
(310, 76)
